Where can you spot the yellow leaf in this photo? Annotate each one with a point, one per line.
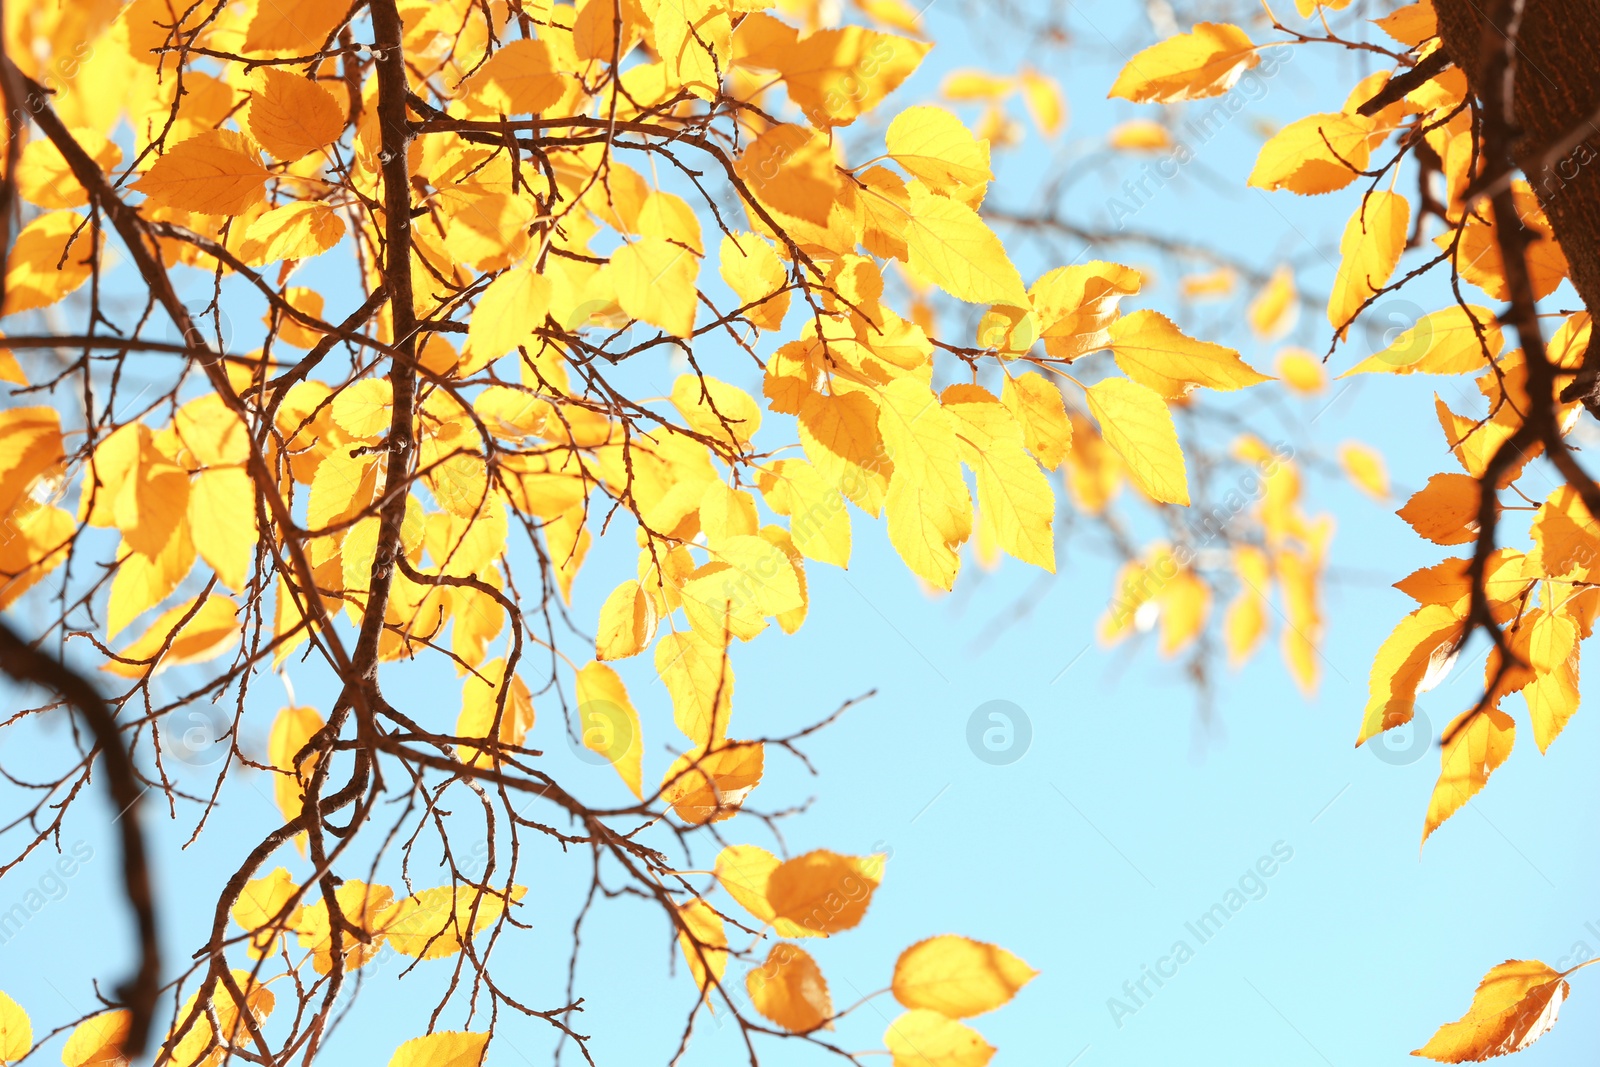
(790, 990)
(933, 145)
(1155, 353)
(213, 173)
(975, 85)
(699, 678)
(711, 786)
(487, 697)
(957, 976)
(1075, 306)
(292, 331)
(928, 506)
(361, 905)
(727, 512)
(1187, 66)
(1365, 467)
(291, 116)
(1479, 743)
(1445, 511)
(1515, 1005)
(841, 437)
(704, 942)
(694, 40)
(1246, 619)
(1215, 283)
(53, 255)
(594, 31)
(792, 169)
(897, 13)
(1037, 405)
(431, 924)
(521, 78)
(1045, 103)
(260, 903)
(508, 312)
(486, 229)
(222, 523)
(1476, 250)
(1301, 371)
(364, 409)
(1316, 154)
(655, 282)
(144, 581)
(223, 1024)
(1016, 506)
(291, 730)
(950, 246)
(627, 622)
(44, 178)
(819, 525)
(927, 1039)
(609, 725)
(1137, 425)
(752, 269)
(1552, 696)
(1412, 24)
(1274, 310)
(824, 891)
(838, 75)
(30, 447)
(760, 573)
(150, 503)
(16, 1033)
(97, 1041)
(299, 230)
(743, 870)
(716, 409)
(1412, 659)
(1552, 641)
(10, 369)
(291, 27)
(1141, 135)
(885, 209)
(449, 1048)
(212, 631)
(1373, 240)
(1445, 342)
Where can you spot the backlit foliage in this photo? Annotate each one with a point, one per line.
(1471, 217)
(520, 203)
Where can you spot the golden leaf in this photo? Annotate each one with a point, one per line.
(1137, 425)
(957, 976)
(790, 990)
(213, 173)
(1515, 1005)
(1187, 66)
(291, 116)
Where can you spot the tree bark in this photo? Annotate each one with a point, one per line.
(1557, 87)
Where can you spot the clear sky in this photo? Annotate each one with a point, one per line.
(1128, 817)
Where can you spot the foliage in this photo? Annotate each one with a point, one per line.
(471, 224)
(1422, 121)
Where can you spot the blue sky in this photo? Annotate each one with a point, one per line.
(1128, 816)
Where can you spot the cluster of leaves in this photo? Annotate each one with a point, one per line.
(1421, 121)
(367, 487)
(422, 476)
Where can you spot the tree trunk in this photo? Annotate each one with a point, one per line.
(1557, 98)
